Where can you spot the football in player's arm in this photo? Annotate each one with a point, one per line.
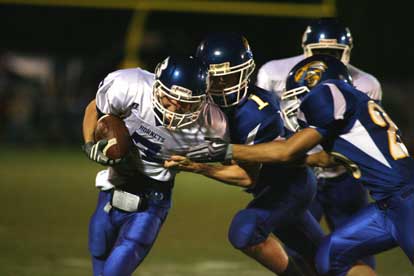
(160, 111)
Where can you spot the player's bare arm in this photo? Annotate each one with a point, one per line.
(90, 119)
(230, 174)
(321, 159)
(279, 151)
(94, 151)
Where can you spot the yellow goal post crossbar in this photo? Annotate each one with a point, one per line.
(325, 8)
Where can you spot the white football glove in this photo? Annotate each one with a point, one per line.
(215, 150)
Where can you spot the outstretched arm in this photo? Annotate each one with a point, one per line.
(232, 174)
(286, 151)
(279, 151)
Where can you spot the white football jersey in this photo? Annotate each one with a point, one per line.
(272, 77)
(128, 94)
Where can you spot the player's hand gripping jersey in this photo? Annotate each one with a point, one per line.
(368, 140)
(128, 94)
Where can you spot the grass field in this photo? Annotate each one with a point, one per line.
(47, 197)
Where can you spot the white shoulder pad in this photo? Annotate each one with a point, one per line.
(120, 89)
(272, 75)
(366, 83)
(215, 121)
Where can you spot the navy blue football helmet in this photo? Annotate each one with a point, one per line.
(304, 76)
(230, 64)
(179, 91)
(328, 36)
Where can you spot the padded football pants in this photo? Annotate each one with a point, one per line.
(118, 240)
(377, 227)
(339, 199)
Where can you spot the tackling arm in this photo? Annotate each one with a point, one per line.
(279, 151)
(321, 159)
(230, 174)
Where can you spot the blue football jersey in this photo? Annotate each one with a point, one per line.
(361, 134)
(257, 120)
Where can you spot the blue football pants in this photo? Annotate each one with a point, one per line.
(374, 229)
(119, 241)
(285, 214)
(339, 199)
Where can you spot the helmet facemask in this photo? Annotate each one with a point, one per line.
(329, 47)
(186, 107)
(228, 85)
(290, 102)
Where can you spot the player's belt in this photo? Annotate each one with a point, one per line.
(135, 192)
(385, 203)
(126, 201)
(130, 202)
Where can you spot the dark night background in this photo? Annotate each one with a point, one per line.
(84, 44)
(51, 61)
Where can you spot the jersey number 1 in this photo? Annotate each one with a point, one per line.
(397, 148)
(261, 104)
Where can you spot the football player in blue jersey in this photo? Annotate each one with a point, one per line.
(164, 112)
(281, 194)
(358, 133)
(338, 196)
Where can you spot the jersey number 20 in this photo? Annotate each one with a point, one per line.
(397, 148)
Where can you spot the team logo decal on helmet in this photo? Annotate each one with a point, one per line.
(161, 67)
(245, 43)
(311, 73)
(303, 77)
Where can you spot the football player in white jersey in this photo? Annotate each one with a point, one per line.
(164, 113)
(323, 36)
(338, 197)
